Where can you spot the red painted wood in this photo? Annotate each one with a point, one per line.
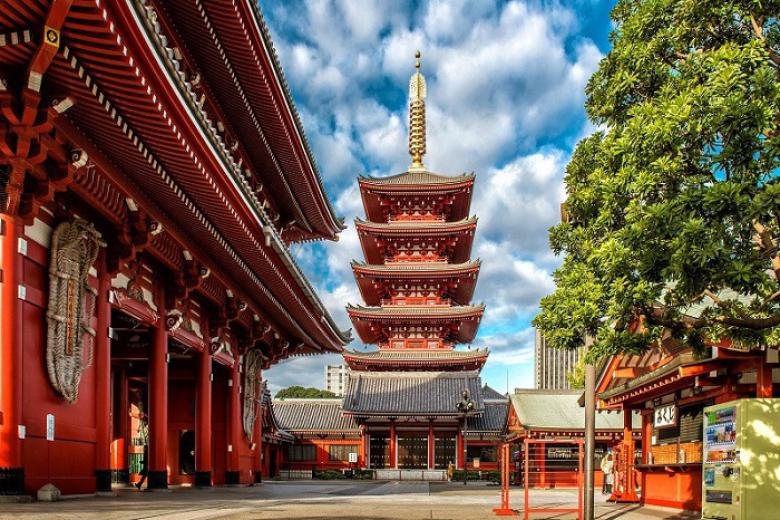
(763, 378)
(234, 420)
(431, 442)
(158, 394)
(393, 445)
(10, 346)
(203, 415)
(121, 413)
(102, 369)
(460, 456)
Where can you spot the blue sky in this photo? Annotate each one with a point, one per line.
(505, 94)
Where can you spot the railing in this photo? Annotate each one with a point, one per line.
(415, 300)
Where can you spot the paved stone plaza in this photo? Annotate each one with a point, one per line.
(316, 501)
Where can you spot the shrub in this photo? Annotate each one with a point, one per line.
(328, 474)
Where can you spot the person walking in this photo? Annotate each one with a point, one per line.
(143, 437)
(606, 469)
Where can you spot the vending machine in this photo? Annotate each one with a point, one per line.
(741, 460)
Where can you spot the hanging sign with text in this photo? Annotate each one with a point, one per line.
(665, 416)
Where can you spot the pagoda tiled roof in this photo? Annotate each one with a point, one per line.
(417, 354)
(410, 394)
(313, 415)
(417, 178)
(416, 226)
(430, 312)
(492, 420)
(404, 268)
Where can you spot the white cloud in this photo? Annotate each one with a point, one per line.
(510, 349)
(502, 77)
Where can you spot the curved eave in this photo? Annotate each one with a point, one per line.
(417, 228)
(412, 180)
(373, 191)
(367, 276)
(334, 222)
(244, 75)
(369, 233)
(463, 320)
(359, 363)
(133, 109)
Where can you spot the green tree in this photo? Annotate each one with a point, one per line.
(301, 392)
(672, 219)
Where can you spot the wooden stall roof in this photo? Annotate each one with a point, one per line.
(559, 410)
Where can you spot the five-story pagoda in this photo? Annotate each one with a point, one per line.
(416, 396)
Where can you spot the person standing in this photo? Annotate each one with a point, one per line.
(606, 469)
(143, 438)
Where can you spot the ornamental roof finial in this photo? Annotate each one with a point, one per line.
(417, 91)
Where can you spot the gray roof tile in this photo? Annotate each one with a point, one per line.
(559, 410)
(493, 419)
(405, 393)
(423, 177)
(313, 415)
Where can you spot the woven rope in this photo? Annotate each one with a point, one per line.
(69, 342)
(252, 362)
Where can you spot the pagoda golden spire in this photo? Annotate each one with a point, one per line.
(417, 91)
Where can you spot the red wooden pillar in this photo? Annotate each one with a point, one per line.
(647, 435)
(431, 442)
(503, 468)
(103, 379)
(460, 457)
(233, 473)
(120, 444)
(763, 378)
(158, 402)
(624, 487)
(362, 462)
(203, 459)
(11, 341)
(393, 443)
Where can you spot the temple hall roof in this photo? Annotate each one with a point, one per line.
(410, 394)
(313, 415)
(489, 393)
(492, 420)
(559, 410)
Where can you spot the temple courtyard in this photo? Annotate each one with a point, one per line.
(317, 500)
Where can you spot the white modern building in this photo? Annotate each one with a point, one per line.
(336, 378)
(552, 365)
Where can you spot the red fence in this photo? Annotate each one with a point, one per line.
(550, 461)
